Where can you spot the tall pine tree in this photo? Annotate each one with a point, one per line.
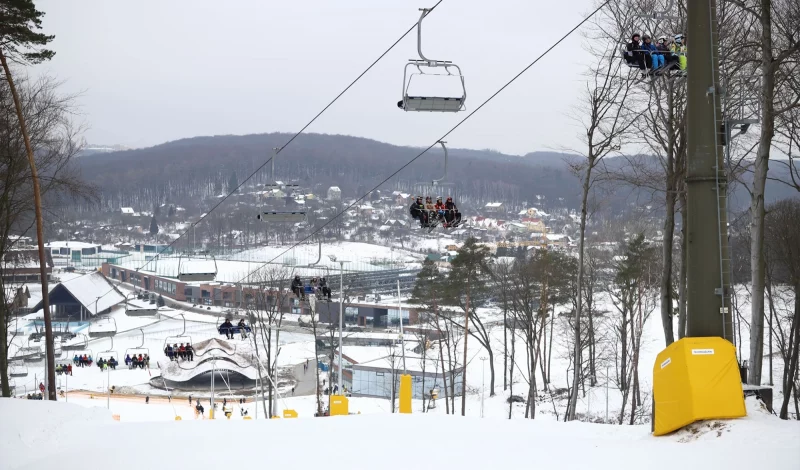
(233, 183)
(153, 226)
(22, 43)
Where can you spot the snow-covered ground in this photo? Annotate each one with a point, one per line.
(38, 435)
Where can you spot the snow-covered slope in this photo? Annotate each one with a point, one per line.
(38, 435)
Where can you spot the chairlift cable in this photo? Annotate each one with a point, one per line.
(486, 101)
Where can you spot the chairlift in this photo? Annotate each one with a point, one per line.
(109, 353)
(138, 350)
(77, 343)
(430, 103)
(197, 276)
(141, 311)
(437, 182)
(30, 353)
(106, 327)
(83, 352)
(282, 216)
(274, 183)
(233, 329)
(181, 338)
(17, 370)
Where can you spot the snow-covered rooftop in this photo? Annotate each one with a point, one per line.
(76, 245)
(93, 291)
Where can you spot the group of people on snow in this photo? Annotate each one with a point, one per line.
(140, 361)
(175, 352)
(429, 214)
(659, 57)
(317, 286)
(227, 328)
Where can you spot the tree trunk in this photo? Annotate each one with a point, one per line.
(464, 370)
(666, 269)
(771, 303)
(505, 344)
(444, 380)
(491, 372)
(5, 386)
(573, 397)
(511, 374)
(761, 166)
(790, 370)
(37, 201)
(550, 346)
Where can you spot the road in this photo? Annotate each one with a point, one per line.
(306, 383)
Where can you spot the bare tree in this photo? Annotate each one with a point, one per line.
(265, 310)
(772, 54)
(783, 248)
(633, 294)
(605, 119)
(56, 143)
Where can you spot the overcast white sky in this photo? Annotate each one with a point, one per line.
(154, 71)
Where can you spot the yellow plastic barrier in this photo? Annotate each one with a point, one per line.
(696, 379)
(178, 418)
(247, 417)
(289, 414)
(405, 394)
(339, 405)
(275, 417)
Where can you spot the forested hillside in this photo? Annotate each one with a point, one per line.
(183, 171)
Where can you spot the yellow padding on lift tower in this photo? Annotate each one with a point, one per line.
(405, 394)
(696, 379)
(340, 406)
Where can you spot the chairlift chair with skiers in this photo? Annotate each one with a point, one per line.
(108, 353)
(181, 338)
(428, 102)
(139, 349)
(228, 328)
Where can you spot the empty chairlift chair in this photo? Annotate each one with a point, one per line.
(197, 271)
(414, 101)
(79, 342)
(282, 216)
(105, 327)
(18, 370)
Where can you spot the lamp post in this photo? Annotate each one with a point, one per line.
(341, 316)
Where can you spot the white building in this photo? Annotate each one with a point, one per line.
(369, 372)
(67, 252)
(334, 193)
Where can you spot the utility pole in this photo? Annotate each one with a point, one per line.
(708, 273)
